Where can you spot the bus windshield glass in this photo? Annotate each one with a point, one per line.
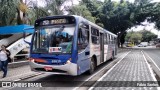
(53, 39)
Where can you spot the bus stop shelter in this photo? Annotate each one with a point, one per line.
(16, 29)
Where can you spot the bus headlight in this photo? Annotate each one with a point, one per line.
(37, 60)
(31, 59)
(68, 61)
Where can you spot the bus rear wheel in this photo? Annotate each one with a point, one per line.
(92, 66)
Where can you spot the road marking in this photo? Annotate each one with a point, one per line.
(153, 62)
(109, 71)
(100, 71)
(150, 69)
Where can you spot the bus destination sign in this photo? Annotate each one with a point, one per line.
(56, 21)
(59, 21)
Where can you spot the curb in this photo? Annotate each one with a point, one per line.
(17, 64)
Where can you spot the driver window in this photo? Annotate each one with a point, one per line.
(83, 37)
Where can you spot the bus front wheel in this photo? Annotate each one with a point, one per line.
(92, 66)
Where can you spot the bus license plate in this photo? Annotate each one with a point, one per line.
(48, 68)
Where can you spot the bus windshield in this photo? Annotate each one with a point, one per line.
(55, 39)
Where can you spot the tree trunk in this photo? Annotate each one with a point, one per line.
(19, 21)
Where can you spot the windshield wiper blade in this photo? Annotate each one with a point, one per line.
(61, 28)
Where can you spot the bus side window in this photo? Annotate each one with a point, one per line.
(95, 35)
(109, 39)
(83, 38)
(105, 39)
(115, 41)
(106, 42)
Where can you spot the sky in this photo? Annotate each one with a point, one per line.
(149, 26)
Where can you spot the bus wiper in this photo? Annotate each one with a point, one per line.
(61, 28)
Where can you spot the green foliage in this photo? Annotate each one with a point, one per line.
(83, 11)
(54, 6)
(120, 16)
(135, 37)
(7, 11)
(113, 16)
(10, 11)
(140, 36)
(147, 35)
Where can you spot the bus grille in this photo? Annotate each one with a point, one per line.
(54, 70)
(51, 63)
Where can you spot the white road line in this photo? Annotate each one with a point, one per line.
(17, 80)
(150, 69)
(98, 72)
(158, 88)
(109, 71)
(153, 62)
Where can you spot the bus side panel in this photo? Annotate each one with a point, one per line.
(95, 50)
(83, 60)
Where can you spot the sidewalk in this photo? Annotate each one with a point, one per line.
(16, 73)
(127, 74)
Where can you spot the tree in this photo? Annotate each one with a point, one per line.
(116, 17)
(147, 36)
(13, 12)
(54, 7)
(140, 36)
(135, 37)
(8, 11)
(81, 10)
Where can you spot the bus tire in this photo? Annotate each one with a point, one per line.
(92, 66)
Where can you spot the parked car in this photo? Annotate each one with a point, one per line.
(141, 45)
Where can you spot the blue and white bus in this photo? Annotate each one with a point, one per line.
(69, 45)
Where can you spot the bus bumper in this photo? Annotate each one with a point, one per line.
(67, 69)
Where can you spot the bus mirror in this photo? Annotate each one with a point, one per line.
(27, 34)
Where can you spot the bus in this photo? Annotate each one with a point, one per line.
(69, 45)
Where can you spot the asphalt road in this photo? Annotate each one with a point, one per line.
(154, 54)
(58, 80)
